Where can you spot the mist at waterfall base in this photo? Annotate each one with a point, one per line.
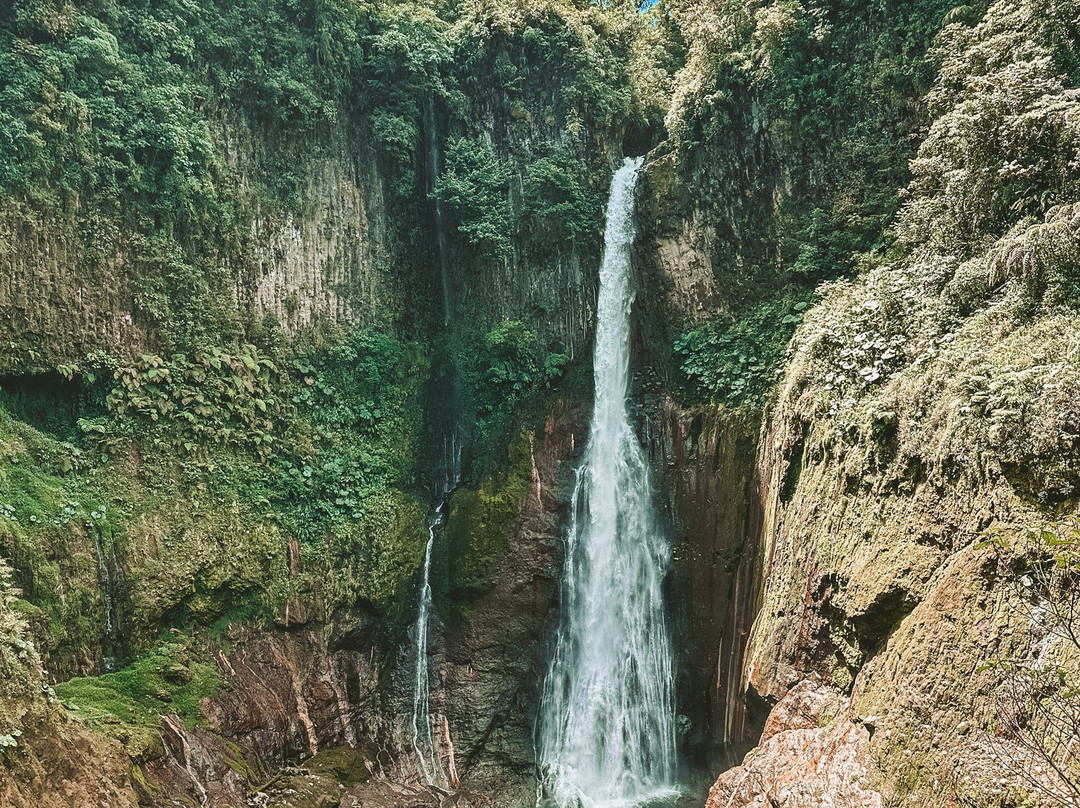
(606, 733)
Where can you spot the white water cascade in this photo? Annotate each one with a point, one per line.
(105, 578)
(423, 742)
(422, 737)
(607, 725)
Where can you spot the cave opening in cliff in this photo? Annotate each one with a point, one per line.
(49, 402)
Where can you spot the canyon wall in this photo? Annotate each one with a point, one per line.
(851, 512)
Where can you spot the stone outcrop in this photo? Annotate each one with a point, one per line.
(797, 762)
(59, 763)
(879, 584)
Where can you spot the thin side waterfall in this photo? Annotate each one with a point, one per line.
(607, 724)
(105, 578)
(422, 739)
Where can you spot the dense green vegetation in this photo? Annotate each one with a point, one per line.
(228, 445)
(153, 137)
(170, 679)
(314, 451)
(155, 141)
(736, 361)
(978, 296)
(807, 183)
(508, 378)
(157, 135)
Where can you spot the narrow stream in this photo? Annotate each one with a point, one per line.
(108, 586)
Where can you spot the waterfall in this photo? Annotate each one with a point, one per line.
(105, 579)
(447, 478)
(422, 739)
(606, 725)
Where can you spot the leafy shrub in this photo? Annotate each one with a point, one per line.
(475, 188)
(507, 373)
(1002, 147)
(557, 198)
(841, 92)
(360, 397)
(214, 398)
(736, 362)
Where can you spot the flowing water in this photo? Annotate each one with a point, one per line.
(105, 578)
(607, 725)
(422, 736)
(423, 742)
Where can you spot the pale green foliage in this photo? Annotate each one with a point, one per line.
(1006, 140)
(216, 398)
(1038, 252)
(962, 355)
(20, 665)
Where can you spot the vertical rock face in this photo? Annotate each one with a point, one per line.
(707, 481)
(903, 482)
(307, 687)
(710, 492)
(329, 259)
(60, 763)
(494, 661)
(877, 610)
(688, 272)
(880, 613)
(46, 758)
(55, 304)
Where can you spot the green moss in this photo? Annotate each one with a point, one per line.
(482, 522)
(49, 514)
(237, 761)
(374, 557)
(173, 678)
(193, 562)
(147, 786)
(347, 766)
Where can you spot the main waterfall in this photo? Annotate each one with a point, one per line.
(607, 724)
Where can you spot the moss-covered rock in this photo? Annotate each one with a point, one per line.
(197, 561)
(926, 405)
(347, 766)
(482, 521)
(127, 705)
(374, 558)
